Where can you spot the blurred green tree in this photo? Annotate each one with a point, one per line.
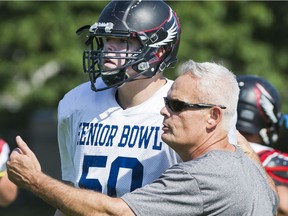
(41, 55)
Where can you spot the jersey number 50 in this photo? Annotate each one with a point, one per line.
(120, 162)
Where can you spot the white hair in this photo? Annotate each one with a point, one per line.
(215, 85)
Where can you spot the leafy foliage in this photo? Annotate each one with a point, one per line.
(41, 56)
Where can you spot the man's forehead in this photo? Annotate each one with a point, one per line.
(184, 81)
(182, 87)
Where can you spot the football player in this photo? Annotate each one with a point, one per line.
(110, 136)
(259, 115)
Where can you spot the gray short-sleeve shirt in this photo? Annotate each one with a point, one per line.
(217, 183)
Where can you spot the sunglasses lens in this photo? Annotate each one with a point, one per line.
(179, 106)
(174, 105)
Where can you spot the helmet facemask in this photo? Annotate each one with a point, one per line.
(154, 25)
(94, 59)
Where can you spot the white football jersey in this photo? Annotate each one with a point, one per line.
(108, 149)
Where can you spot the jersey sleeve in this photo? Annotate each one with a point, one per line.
(68, 107)
(64, 140)
(4, 155)
(276, 165)
(167, 194)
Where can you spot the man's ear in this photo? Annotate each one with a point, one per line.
(215, 115)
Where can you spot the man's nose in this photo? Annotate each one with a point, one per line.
(164, 111)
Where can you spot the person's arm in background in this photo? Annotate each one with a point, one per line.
(283, 204)
(8, 191)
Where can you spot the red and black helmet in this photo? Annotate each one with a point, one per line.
(258, 108)
(153, 23)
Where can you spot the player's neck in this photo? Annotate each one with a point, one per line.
(136, 92)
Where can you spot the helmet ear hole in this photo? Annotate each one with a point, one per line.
(160, 52)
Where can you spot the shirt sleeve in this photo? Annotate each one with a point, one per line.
(174, 190)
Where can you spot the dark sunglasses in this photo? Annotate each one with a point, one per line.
(178, 106)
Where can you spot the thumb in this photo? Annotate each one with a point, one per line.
(22, 145)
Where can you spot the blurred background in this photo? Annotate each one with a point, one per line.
(41, 59)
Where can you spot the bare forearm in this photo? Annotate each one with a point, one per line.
(283, 196)
(73, 201)
(8, 191)
(24, 170)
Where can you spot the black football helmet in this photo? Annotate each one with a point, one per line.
(258, 108)
(152, 23)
